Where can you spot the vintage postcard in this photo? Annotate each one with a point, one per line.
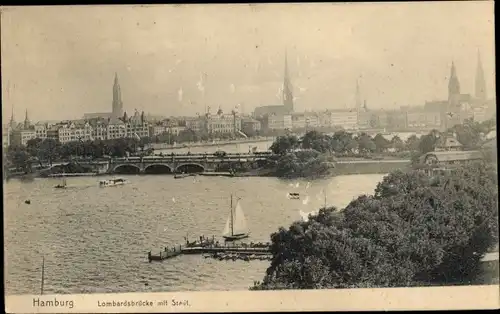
(249, 157)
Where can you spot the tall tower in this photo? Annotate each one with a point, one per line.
(480, 81)
(287, 88)
(453, 86)
(117, 99)
(12, 122)
(26, 120)
(358, 96)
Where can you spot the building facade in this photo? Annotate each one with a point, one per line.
(74, 131)
(221, 123)
(22, 136)
(279, 122)
(346, 119)
(250, 126)
(6, 136)
(137, 125)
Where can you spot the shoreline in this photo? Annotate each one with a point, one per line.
(160, 146)
(343, 166)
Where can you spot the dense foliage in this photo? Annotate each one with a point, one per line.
(346, 144)
(49, 150)
(415, 230)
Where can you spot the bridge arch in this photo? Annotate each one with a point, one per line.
(127, 169)
(157, 169)
(190, 167)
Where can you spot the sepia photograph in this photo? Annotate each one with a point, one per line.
(161, 150)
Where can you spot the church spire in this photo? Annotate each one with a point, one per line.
(480, 81)
(453, 84)
(358, 96)
(117, 106)
(26, 120)
(12, 122)
(287, 88)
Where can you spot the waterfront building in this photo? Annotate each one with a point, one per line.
(346, 119)
(250, 126)
(6, 136)
(99, 128)
(137, 124)
(279, 122)
(221, 123)
(175, 129)
(364, 119)
(157, 129)
(116, 128)
(311, 120)
(195, 124)
(298, 121)
(41, 130)
(53, 132)
(397, 120)
(75, 131)
(22, 136)
(324, 119)
(419, 118)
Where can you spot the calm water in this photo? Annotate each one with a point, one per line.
(261, 146)
(95, 240)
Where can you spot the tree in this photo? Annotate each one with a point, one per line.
(284, 144)
(397, 144)
(468, 133)
(342, 142)
(428, 143)
(317, 141)
(381, 143)
(19, 157)
(412, 143)
(416, 230)
(366, 144)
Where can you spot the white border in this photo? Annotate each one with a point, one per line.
(433, 298)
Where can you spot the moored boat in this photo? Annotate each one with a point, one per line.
(184, 175)
(112, 182)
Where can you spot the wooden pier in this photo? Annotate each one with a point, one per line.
(217, 251)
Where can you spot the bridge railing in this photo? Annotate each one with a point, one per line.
(186, 159)
(166, 158)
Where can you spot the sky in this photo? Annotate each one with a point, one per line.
(59, 62)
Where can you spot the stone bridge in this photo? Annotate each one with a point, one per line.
(183, 163)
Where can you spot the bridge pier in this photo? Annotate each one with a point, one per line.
(173, 164)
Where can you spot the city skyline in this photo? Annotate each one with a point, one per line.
(57, 69)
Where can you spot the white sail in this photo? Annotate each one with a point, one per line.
(227, 228)
(239, 223)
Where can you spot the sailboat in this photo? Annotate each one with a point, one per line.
(62, 185)
(236, 226)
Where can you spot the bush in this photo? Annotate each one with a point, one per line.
(415, 230)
